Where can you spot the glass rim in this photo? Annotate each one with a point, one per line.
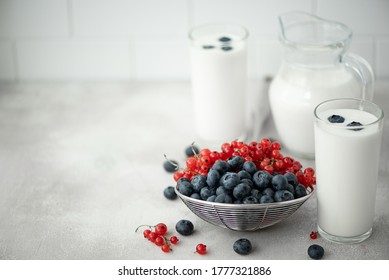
(341, 42)
(241, 38)
(379, 109)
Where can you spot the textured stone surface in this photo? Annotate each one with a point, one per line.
(81, 168)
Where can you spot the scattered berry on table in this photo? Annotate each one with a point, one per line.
(170, 166)
(315, 252)
(313, 235)
(184, 227)
(169, 193)
(242, 246)
(174, 239)
(166, 248)
(201, 249)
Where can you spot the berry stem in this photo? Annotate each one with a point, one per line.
(150, 227)
(171, 162)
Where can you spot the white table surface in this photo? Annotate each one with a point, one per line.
(81, 168)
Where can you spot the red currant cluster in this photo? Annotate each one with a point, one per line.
(265, 154)
(157, 235)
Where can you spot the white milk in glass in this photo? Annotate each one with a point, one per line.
(219, 82)
(346, 173)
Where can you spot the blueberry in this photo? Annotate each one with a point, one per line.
(185, 188)
(198, 182)
(208, 47)
(236, 163)
(316, 252)
(184, 227)
(221, 166)
(242, 246)
(224, 39)
(206, 192)
(279, 182)
(170, 166)
(169, 193)
(268, 191)
(222, 190)
(250, 200)
(300, 191)
(192, 150)
(266, 199)
(211, 198)
(250, 167)
(256, 193)
(229, 180)
(223, 198)
(243, 174)
(248, 182)
(290, 188)
(262, 179)
(195, 196)
(335, 119)
(213, 178)
(226, 48)
(242, 190)
(283, 195)
(291, 178)
(353, 123)
(182, 180)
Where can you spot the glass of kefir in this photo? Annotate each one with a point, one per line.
(348, 136)
(219, 80)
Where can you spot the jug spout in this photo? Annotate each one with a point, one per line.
(310, 32)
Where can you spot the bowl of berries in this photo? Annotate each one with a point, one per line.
(245, 186)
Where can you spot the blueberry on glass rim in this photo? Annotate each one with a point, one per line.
(335, 119)
(226, 48)
(224, 39)
(354, 123)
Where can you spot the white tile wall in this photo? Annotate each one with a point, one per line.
(56, 60)
(7, 70)
(146, 39)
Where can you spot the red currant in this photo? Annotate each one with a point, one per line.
(205, 152)
(160, 229)
(159, 241)
(313, 235)
(191, 163)
(214, 156)
(146, 233)
(174, 239)
(275, 146)
(165, 248)
(269, 168)
(177, 175)
(227, 149)
(201, 249)
(153, 236)
(265, 143)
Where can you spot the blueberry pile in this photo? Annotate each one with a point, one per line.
(240, 182)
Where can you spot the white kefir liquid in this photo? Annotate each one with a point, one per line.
(219, 80)
(346, 172)
(295, 93)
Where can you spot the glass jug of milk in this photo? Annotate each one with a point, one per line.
(316, 67)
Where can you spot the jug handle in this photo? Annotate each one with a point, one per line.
(363, 70)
